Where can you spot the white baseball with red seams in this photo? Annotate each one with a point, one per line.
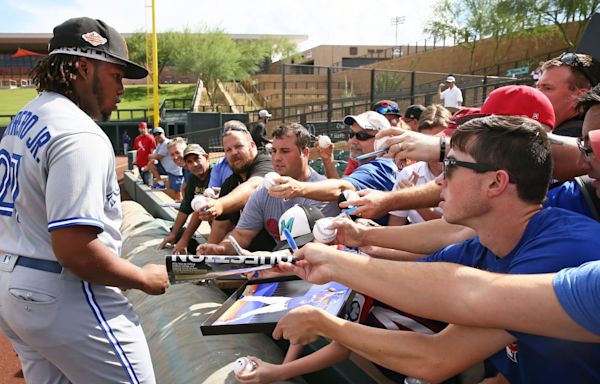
(324, 141)
(323, 232)
(199, 203)
(269, 180)
(243, 365)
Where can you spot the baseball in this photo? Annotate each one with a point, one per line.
(199, 203)
(269, 180)
(379, 144)
(243, 365)
(210, 193)
(350, 195)
(324, 141)
(322, 231)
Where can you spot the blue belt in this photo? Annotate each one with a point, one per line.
(39, 264)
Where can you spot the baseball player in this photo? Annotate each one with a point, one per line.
(60, 215)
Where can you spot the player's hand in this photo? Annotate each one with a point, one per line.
(326, 154)
(348, 232)
(169, 239)
(210, 249)
(286, 188)
(314, 263)
(405, 144)
(263, 373)
(156, 280)
(372, 204)
(212, 210)
(300, 325)
(180, 248)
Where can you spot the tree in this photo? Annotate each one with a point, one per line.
(169, 43)
(560, 12)
(214, 56)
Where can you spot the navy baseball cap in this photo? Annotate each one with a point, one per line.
(94, 39)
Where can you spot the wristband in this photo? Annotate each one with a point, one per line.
(442, 148)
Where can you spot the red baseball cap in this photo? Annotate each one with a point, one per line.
(143, 124)
(460, 117)
(520, 100)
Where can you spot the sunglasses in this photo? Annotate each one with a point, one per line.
(587, 152)
(361, 136)
(450, 164)
(571, 59)
(387, 109)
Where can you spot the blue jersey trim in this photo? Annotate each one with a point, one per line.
(72, 221)
(95, 307)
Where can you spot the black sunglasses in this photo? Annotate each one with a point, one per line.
(449, 164)
(571, 59)
(362, 136)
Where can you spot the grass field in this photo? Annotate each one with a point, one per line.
(136, 96)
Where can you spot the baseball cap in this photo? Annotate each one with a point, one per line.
(194, 149)
(520, 100)
(414, 112)
(264, 113)
(450, 79)
(300, 221)
(386, 107)
(460, 117)
(143, 124)
(370, 121)
(86, 37)
(158, 130)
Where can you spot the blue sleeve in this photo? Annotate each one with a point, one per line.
(379, 174)
(568, 196)
(578, 291)
(220, 172)
(466, 253)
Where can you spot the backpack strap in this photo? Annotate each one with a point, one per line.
(589, 194)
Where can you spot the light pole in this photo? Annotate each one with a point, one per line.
(395, 22)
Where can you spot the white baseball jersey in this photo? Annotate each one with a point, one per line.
(57, 169)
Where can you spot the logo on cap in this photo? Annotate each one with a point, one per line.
(94, 38)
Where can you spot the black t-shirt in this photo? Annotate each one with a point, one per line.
(194, 187)
(260, 167)
(571, 127)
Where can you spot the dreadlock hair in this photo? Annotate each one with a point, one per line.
(55, 73)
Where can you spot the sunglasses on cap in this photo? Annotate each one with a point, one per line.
(386, 109)
(571, 59)
(449, 164)
(360, 136)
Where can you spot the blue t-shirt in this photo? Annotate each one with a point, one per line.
(578, 291)
(379, 174)
(568, 196)
(553, 239)
(220, 171)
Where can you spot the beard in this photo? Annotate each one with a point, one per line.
(242, 168)
(98, 92)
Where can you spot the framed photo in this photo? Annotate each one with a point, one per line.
(258, 305)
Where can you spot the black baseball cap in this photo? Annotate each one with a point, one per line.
(414, 111)
(83, 36)
(300, 221)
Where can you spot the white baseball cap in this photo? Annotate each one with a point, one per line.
(450, 79)
(264, 113)
(370, 121)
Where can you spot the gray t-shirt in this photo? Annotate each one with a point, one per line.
(263, 211)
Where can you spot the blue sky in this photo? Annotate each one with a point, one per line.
(361, 22)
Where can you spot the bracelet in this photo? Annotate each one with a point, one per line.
(442, 148)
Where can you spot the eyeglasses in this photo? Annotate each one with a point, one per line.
(449, 164)
(361, 136)
(571, 59)
(587, 152)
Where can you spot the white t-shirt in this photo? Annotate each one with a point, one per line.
(425, 176)
(452, 97)
(61, 173)
(167, 163)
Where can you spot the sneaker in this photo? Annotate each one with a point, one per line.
(158, 186)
